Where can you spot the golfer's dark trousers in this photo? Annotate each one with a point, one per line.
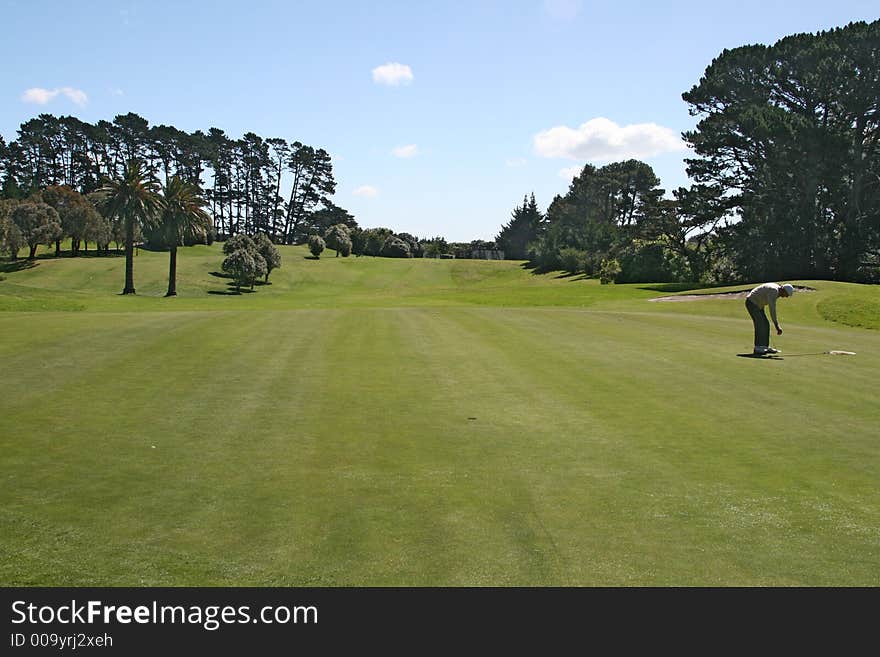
(762, 324)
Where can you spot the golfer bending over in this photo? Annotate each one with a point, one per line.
(765, 295)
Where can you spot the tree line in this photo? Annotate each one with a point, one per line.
(786, 171)
(254, 184)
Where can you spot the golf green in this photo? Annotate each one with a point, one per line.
(366, 421)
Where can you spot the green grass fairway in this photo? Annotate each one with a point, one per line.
(364, 421)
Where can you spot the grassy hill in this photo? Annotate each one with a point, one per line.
(366, 421)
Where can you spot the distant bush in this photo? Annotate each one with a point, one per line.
(338, 238)
(394, 247)
(415, 246)
(608, 271)
(316, 245)
(374, 240)
(651, 262)
(238, 243)
(270, 254)
(244, 266)
(573, 260)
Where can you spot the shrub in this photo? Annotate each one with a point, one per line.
(375, 239)
(244, 266)
(239, 242)
(394, 247)
(338, 238)
(608, 270)
(573, 260)
(651, 262)
(415, 247)
(270, 254)
(316, 245)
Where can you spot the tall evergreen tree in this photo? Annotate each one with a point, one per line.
(522, 229)
(788, 146)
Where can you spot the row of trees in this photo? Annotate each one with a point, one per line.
(118, 210)
(254, 184)
(613, 222)
(786, 172)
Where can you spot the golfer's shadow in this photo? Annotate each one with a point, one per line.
(762, 356)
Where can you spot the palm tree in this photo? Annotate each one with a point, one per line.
(134, 199)
(183, 218)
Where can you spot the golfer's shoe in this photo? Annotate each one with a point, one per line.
(760, 351)
(771, 350)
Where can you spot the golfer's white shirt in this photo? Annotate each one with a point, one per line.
(766, 295)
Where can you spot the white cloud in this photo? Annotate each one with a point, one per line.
(410, 150)
(392, 74)
(78, 96)
(38, 95)
(570, 173)
(42, 96)
(602, 139)
(366, 190)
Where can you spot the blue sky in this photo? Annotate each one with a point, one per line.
(440, 116)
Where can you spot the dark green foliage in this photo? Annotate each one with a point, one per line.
(134, 201)
(603, 211)
(358, 241)
(37, 223)
(787, 144)
(269, 252)
(608, 271)
(375, 239)
(80, 221)
(183, 220)
(244, 260)
(316, 245)
(245, 190)
(338, 238)
(415, 246)
(651, 261)
(331, 215)
(11, 239)
(394, 247)
(574, 261)
(523, 228)
(245, 267)
(239, 242)
(434, 247)
(786, 168)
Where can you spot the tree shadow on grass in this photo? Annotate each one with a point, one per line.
(11, 266)
(671, 288)
(535, 268)
(232, 292)
(309, 257)
(94, 254)
(540, 270)
(220, 274)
